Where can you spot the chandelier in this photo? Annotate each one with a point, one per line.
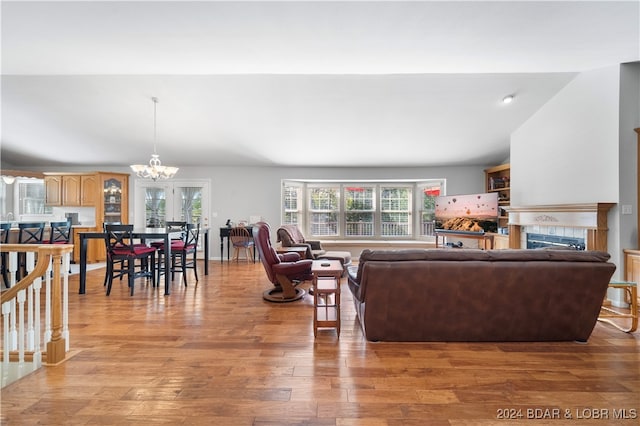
(154, 170)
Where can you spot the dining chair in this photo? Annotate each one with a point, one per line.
(5, 230)
(60, 232)
(28, 233)
(137, 260)
(241, 240)
(116, 270)
(177, 229)
(184, 252)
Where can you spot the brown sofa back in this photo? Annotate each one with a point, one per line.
(477, 295)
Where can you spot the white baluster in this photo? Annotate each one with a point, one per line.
(30, 262)
(13, 332)
(30, 309)
(21, 297)
(6, 313)
(12, 343)
(66, 261)
(12, 268)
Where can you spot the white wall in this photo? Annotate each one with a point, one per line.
(240, 192)
(567, 152)
(629, 120)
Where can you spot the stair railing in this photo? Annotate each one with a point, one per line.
(28, 340)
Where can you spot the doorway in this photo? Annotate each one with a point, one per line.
(175, 200)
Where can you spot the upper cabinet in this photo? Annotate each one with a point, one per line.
(53, 190)
(498, 179)
(107, 192)
(90, 190)
(71, 190)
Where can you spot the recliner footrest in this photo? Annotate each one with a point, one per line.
(343, 256)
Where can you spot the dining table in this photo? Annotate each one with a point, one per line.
(143, 234)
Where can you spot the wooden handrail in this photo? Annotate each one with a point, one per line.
(46, 251)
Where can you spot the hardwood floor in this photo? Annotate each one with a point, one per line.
(217, 354)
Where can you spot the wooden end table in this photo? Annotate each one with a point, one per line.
(326, 294)
(606, 313)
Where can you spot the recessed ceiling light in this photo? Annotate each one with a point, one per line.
(507, 99)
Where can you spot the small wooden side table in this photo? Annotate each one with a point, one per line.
(631, 290)
(326, 294)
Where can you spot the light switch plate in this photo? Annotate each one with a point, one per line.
(626, 209)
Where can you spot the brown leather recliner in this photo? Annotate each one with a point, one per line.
(291, 236)
(285, 271)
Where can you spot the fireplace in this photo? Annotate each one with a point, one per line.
(557, 241)
(578, 226)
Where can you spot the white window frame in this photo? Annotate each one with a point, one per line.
(372, 211)
(289, 211)
(334, 209)
(417, 229)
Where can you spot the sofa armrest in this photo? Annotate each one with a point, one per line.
(354, 287)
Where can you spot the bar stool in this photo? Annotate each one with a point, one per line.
(5, 229)
(60, 233)
(28, 233)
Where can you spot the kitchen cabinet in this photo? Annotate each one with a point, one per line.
(90, 190)
(92, 247)
(53, 190)
(71, 189)
(113, 206)
(107, 192)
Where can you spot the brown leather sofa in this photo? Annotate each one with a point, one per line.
(477, 295)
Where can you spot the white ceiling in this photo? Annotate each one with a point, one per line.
(291, 83)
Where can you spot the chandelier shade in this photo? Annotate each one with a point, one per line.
(154, 170)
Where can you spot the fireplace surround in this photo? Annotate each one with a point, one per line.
(587, 221)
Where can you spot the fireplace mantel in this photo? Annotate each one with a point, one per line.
(591, 216)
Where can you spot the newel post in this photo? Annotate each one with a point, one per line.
(56, 348)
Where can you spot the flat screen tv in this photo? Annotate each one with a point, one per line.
(468, 212)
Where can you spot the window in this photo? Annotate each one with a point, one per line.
(30, 198)
(362, 210)
(291, 203)
(429, 192)
(395, 212)
(359, 207)
(324, 210)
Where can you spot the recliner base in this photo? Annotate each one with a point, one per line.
(276, 295)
